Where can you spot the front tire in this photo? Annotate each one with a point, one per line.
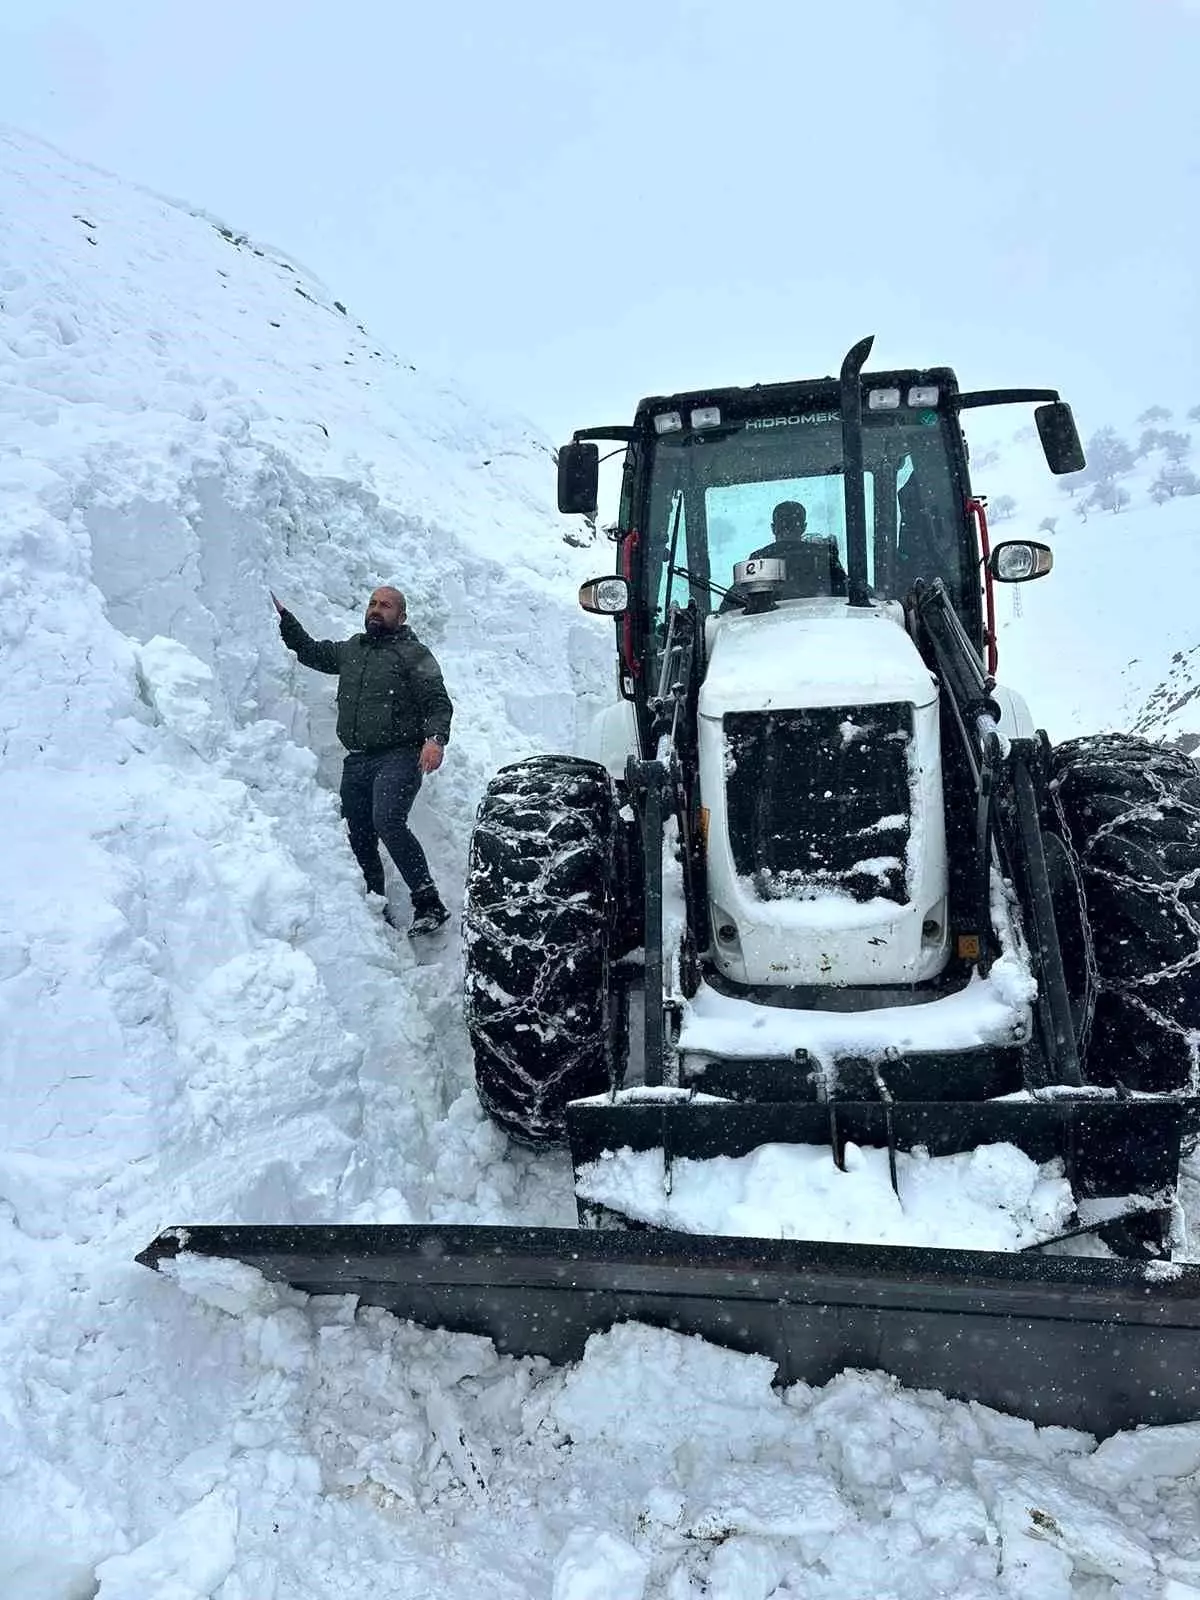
(1129, 813)
(537, 923)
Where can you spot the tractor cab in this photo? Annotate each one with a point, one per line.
(859, 486)
(759, 475)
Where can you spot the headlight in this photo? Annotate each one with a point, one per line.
(605, 597)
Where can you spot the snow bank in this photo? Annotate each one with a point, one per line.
(302, 1448)
(202, 1016)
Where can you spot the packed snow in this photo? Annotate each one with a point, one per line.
(203, 1019)
(987, 1011)
(990, 1198)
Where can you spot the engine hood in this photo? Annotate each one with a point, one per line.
(812, 653)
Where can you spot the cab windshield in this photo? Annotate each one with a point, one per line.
(765, 485)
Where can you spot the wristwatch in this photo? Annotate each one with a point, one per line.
(436, 738)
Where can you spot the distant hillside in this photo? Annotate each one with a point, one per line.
(1111, 639)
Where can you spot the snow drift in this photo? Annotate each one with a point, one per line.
(192, 983)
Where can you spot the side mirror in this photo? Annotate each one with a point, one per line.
(1019, 560)
(579, 477)
(1060, 438)
(605, 597)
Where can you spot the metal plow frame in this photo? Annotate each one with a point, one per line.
(1094, 1344)
(1107, 1147)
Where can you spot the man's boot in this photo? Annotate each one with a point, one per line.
(429, 914)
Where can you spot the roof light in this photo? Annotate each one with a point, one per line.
(923, 395)
(883, 399)
(706, 417)
(668, 422)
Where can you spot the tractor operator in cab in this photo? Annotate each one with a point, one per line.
(813, 564)
(394, 720)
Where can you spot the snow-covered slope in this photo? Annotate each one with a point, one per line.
(192, 982)
(1107, 641)
(201, 1019)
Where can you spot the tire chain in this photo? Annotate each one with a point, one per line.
(506, 936)
(1172, 893)
(520, 1108)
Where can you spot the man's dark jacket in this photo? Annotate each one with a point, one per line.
(390, 690)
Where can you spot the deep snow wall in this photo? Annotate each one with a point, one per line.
(200, 1015)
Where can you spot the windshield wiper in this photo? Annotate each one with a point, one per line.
(674, 549)
(703, 583)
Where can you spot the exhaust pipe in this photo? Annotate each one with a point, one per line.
(858, 592)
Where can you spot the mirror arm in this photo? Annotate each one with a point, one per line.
(1002, 397)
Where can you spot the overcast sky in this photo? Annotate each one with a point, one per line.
(565, 207)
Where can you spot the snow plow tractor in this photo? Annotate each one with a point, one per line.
(820, 884)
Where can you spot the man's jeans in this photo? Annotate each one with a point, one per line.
(377, 794)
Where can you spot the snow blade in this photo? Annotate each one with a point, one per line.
(1100, 1345)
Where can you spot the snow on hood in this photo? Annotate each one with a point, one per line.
(813, 653)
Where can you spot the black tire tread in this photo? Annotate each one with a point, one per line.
(1129, 809)
(537, 920)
